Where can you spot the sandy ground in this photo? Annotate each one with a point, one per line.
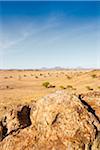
(23, 86)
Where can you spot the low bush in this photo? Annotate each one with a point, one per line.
(62, 87)
(7, 86)
(68, 77)
(93, 75)
(36, 77)
(70, 86)
(46, 84)
(41, 74)
(25, 75)
(11, 77)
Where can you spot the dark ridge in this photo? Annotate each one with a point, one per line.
(96, 131)
(89, 108)
(90, 147)
(4, 131)
(55, 119)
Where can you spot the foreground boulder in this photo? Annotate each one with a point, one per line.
(59, 121)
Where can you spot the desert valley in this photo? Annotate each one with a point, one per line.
(20, 86)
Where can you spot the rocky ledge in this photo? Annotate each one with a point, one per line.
(59, 121)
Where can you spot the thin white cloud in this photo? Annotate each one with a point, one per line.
(39, 43)
(25, 34)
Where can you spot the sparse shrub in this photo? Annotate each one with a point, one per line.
(69, 86)
(93, 75)
(11, 77)
(25, 75)
(68, 77)
(7, 87)
(98, 87)
(62, 87)
(89, 88)
(46, 84)
(36, 77)
(31, 74)
(41, 74)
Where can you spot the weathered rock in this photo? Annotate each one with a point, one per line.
(18, 117)
(93, 99)
(96, 143)
(59, 121)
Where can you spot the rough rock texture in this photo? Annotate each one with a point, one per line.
(15, 119)
(59, 121)
(93, 99)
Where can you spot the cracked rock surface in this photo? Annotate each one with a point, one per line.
(59, 121)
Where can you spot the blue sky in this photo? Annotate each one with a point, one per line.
(48, 34)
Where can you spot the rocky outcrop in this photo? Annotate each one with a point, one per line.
(59, 121)
(17, 118)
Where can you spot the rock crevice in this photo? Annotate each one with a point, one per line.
(89, 108)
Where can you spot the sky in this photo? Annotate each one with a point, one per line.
(36, 34)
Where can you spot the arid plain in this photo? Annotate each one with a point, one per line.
(25, 86)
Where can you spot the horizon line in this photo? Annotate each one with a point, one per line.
(51, 68)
